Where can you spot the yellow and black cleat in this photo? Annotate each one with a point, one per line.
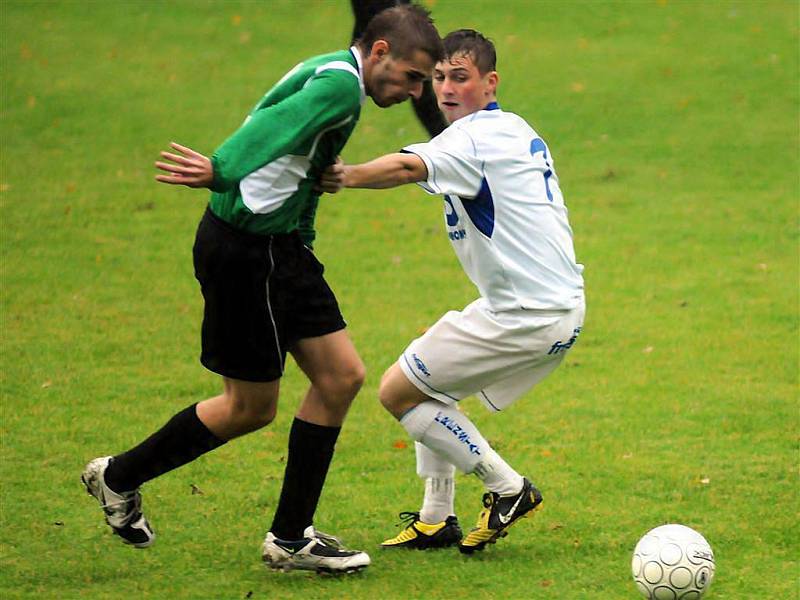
(498, 514)
(421, 535)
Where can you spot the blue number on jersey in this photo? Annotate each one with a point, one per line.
(537, 145)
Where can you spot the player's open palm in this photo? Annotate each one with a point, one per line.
(188, 168)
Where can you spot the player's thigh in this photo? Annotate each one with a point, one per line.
(458, 355)
(252, 396)
(503, 393)
(549, 341)
(240, 339)
(468, 351)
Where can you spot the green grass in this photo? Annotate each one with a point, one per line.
(674, 127)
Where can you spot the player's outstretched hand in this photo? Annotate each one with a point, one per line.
(332, 179)
(188, 168)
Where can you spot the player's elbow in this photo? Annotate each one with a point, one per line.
(412, 172)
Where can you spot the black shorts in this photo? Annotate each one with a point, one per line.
(262, 293)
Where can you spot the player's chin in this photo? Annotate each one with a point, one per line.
(390, 101)
(450, 113)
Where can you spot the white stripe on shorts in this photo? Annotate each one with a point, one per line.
(269, 305)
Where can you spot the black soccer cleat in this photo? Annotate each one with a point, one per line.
(422, 536)
(499, 514)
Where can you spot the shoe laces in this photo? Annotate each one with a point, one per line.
(407, 518)
(328, 540)
(129, 503)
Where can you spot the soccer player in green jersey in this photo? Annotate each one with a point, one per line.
(264, 290)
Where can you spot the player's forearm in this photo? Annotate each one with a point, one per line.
(387, 171)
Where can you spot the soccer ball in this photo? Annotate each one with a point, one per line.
(672, 562)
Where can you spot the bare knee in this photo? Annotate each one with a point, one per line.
(391, 392)
(344, 384)
(253, 416)
(251, 408)
(243, 407)
(397, 394)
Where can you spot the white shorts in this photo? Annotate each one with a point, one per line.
(497, 356)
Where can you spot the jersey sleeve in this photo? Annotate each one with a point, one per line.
(329, 98)
(452, 163)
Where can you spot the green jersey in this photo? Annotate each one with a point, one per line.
(264, 174)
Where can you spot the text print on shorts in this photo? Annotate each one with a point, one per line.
(559, 346)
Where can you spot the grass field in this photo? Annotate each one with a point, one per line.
(674, 127)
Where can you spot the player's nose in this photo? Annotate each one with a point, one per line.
(446, 87)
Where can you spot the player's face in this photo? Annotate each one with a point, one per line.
(391, 80)
(460, 88)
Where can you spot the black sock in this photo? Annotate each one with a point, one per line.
(181, 440)
(310, 452)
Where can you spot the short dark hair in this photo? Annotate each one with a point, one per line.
(407, 28)
(473, 44)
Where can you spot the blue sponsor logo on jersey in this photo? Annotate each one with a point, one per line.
(451, 216)
(421, 365)
(450, 213)
(560, 346)
(456, 430)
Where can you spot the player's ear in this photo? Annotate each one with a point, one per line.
(492, 79)
(379, 49)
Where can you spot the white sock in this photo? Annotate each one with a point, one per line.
(445, 430)
(440, 489)
(497, 475)
(449, 432)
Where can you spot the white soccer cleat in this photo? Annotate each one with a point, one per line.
(123, 510)
(314, 552)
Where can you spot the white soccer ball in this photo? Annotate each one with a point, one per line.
(672, 562)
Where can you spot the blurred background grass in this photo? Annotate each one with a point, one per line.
(674, 128)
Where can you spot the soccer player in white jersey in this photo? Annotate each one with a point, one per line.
(506, 219)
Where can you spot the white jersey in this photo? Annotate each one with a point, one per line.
(504, 212)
